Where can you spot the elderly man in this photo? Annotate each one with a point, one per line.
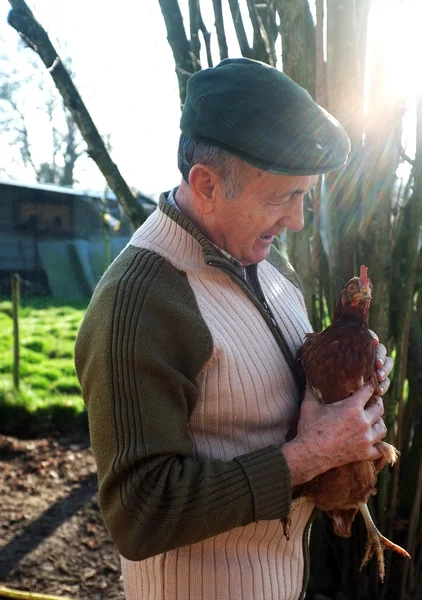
(187, 356)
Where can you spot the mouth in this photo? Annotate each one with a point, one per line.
(267, 239)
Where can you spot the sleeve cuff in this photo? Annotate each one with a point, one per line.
(269, 478)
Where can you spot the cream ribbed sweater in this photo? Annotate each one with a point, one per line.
(245, 403)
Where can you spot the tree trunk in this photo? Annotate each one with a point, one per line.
(298, 42)
(346, 43)
(296, 64)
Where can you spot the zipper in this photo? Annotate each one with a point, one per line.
(257, 296)
(306, 553)
(288, 355)
(253, 272)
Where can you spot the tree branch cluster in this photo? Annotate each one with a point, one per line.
(22, 19)
(264, 16)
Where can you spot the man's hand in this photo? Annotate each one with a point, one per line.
(332, 435)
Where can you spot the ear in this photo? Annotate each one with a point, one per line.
(203, 182)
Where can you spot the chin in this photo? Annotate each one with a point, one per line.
(258, 257)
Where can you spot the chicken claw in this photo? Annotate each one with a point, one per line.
(377, 543)
(287, 521)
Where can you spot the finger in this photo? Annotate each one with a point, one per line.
(381, 353)
(383, 386)
(375, 338)
(310, 399)
(379, 430)
(360, 397)
(386, 369)
(388, 365)
(375, 455)
(310, 407)
(374, 411)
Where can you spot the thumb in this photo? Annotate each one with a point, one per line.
(310, 398)
(310, 402)
(361, 396)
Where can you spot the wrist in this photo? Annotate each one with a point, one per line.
(300, 462)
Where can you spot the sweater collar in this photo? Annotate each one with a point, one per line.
(212, 253)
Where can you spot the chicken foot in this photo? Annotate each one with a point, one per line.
(377, 543)
(286, 522)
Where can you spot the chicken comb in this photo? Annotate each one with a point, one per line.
(364, 279)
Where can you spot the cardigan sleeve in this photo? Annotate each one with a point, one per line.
(140, 348)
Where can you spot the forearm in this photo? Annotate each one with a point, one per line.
(170, 502)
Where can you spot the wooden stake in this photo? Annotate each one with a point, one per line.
(15, 285)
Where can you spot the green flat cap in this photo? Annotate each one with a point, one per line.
(262, 116)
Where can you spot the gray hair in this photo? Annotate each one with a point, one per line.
(228, 166)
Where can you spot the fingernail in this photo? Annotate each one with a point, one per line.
(381, 360)
(381, 373)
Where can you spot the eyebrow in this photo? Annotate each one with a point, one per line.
(298, 191)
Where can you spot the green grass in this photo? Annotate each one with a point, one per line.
(49, 397)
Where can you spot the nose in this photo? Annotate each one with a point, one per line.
(294, 219)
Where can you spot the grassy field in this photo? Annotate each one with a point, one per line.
(49, 393)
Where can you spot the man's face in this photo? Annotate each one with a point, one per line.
(269, 204)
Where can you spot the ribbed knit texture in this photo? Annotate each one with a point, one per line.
(247, 403)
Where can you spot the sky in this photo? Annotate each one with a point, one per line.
(124, 70)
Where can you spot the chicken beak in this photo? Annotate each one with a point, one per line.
(363, 294)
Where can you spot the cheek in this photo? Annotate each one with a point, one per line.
(240, 223)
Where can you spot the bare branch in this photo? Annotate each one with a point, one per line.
(70, 152)
(23, 135)
(219, 26)
(261, 46)
(195, 44)
(22, 19)
(408, 159)
(186, 65)
(207, 39)
(268, 16)
(240, 29)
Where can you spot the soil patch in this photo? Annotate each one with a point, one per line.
(52, 538)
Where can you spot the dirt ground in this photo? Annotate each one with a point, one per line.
(52, 539)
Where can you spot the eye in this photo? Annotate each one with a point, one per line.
(281, 200)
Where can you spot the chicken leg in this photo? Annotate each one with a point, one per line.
(376, 543)
(286, 522)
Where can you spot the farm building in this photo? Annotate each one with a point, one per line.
(59, 240)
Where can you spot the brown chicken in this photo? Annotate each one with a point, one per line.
(337, 362)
